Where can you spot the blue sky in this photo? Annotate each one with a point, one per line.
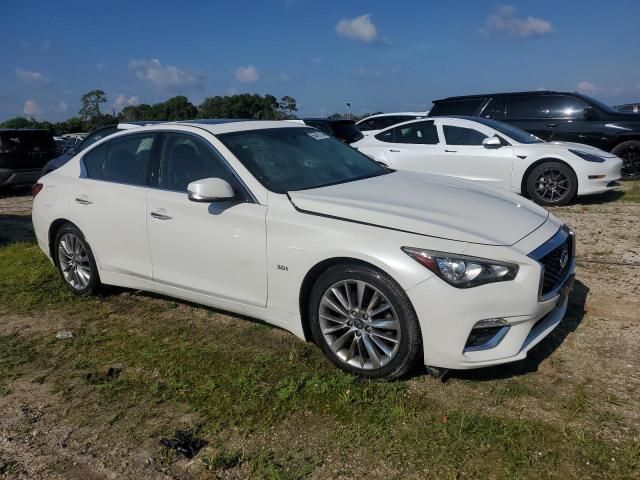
(380, 55)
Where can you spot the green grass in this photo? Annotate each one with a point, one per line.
(270, 405)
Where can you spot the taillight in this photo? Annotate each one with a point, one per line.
(37, 187)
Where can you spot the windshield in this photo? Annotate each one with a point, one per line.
(286, 159)
(598, 103)
(510, 131)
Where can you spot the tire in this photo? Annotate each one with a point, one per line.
(552, 184)
(75, 262)
(629, 152)
(385, 344)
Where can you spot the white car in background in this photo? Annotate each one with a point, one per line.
(496, 154)
(281, 222)
(373, 124)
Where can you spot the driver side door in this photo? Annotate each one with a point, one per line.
(217, 249)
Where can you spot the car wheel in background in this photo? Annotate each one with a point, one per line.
(364, 322)
(629, 152)
(75, 262)
(552, 184)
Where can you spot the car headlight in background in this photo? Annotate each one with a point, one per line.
(462, 271)
(589, 157)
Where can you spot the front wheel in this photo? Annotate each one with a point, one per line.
(552, 184)
(75, 261)
(364, 322)
(629, 152)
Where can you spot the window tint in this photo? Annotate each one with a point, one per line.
(186, 159)
(94, 160)
(527, 107)
(565, 107)
(495, 108)
(462, 136)
(370, 124)
(385, 122)
(419, 133)
(126, 160)
(456, 107)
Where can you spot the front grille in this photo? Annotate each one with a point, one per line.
(556, 263)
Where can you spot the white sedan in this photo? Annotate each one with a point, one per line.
(375, 123)
(280, 222)
(497, 154)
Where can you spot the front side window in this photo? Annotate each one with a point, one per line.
(421, 133)
(462, 136)
(565, 107)
(527, 107)
(186, 159)
(291, 158)
(122, 160)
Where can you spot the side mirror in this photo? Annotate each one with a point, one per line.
(492, 142)
(210, 190)
(589, 114)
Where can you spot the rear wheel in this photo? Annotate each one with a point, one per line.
(629, 152)
(75, 261)
(552, 184)
(364, 322)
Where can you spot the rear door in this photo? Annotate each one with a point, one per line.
(466, 157)
(109, 204)
(413, 146)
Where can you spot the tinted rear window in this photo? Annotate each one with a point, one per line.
(25, 141)
(347, 131)
(456, 107)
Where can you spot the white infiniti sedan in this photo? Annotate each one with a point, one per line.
(283, 223)
(497, 154)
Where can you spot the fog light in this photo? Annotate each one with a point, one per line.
(595, 177)
(490, 322)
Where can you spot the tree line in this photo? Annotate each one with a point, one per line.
(90, 115)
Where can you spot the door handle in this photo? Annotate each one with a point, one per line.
(161, 214)
(83, 200)
(394, 151)
(451, 151)
(550, 125)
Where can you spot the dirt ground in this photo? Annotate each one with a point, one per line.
(590, 363)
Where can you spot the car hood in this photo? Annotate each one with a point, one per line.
(424, 204)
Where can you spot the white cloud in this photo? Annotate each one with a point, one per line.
(165, 77)
(122, 101)
(248, 74)
(63, 107)
(587, 88)
(359, 28)
(35, 79)
(503, 20)
(31, 108)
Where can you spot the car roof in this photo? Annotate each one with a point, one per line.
(392, 114)
(5, 130)
(220, 125)
(328, 120)
(503, 94)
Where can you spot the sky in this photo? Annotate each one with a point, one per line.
(378, 55)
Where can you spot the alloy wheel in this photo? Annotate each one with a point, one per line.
(74, 261)
(630, 161)
(359, 324)
(552, 185)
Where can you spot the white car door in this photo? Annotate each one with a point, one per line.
(217, 249)
(412, 146)
(465, 156)
(109, 203)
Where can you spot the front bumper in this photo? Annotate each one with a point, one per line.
(448, 315)
(600, 177)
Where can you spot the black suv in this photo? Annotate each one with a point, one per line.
(557, 116)
(23, 153)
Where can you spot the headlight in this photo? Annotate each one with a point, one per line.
(462, 271)
(589, 157)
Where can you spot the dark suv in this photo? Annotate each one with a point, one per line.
(344, 130)
(557, 116)
(23, 153)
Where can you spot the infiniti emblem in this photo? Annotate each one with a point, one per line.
(564, 258)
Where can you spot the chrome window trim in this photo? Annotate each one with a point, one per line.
(547, 247)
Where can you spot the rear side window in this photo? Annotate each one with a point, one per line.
(462, 136)
(456, 107)
(95, 136)
(421, 133)
(495, 109)
(525, 107)
(123, 160)
(561, 106)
